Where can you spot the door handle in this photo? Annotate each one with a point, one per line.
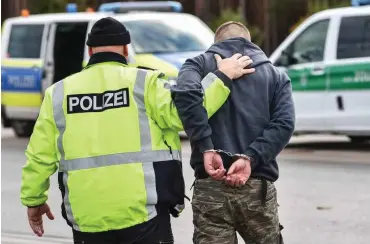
(340, 103)
(318, 71)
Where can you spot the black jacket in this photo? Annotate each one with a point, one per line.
(257, 119)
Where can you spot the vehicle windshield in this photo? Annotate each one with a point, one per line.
(166, 36)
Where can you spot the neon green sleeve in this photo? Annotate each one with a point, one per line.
(41, 156)
(163, 110)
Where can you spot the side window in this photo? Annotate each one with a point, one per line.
(25, 41)
(308, 47)
(354, 37)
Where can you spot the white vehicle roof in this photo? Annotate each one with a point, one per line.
(325, 14)
(343, 11)
(60, 17)
(157, 15)
(149, 16)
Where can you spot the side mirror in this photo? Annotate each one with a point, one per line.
(284, 60)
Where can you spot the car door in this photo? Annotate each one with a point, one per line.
(304, 61)
(22, 68)
(48, 58)
(350, 76)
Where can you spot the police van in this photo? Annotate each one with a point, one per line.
(328, 60)
(39, 50)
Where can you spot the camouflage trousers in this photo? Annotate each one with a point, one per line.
(220, 211)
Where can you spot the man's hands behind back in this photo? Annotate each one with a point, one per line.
(213, 165)
(235, 66)
(239, 172)
(237, 175)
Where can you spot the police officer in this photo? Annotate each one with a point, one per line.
(112, 130)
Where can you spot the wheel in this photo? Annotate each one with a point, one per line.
(23, 128)
(7, 123)
(359, 139)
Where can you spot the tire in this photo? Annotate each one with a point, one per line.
(7, 123)
(23, 128)
(359, 139)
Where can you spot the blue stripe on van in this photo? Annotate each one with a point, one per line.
(19, 79)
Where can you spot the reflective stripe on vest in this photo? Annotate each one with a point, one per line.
(60, 122)
(208, 80)
(146, 155)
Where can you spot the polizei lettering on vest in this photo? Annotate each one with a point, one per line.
(97, 102)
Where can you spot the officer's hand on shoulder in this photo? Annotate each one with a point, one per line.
(235, 66)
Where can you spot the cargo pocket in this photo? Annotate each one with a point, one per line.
(213, 223)
(207, 211)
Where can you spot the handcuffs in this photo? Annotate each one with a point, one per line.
(234, 156)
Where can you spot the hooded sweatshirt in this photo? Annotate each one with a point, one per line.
(257, 119)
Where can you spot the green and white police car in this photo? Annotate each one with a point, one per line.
(328, 59)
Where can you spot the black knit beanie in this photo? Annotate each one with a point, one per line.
(108, 32)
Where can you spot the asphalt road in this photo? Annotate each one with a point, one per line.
(323, 192)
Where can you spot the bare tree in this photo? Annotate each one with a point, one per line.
(242, 5)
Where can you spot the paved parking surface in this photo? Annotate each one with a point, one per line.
(323, 191)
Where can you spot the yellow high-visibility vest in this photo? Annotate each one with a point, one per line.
(103, 128)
